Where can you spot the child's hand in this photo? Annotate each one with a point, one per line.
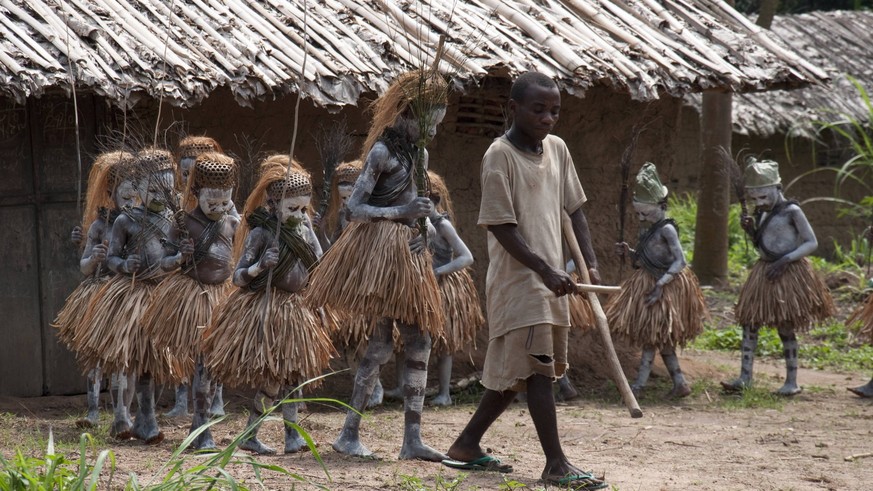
(622, 249)
(416, 244)
(76, 235)
(271, 258)
(775, 269)
(654, 294)
(98, 252)
(418, 208)
(186, 248)
(748, 224)
(131, 264)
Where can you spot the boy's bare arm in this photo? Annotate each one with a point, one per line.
(808, 242)
(378, 161)
(558, 281)
(583, 237)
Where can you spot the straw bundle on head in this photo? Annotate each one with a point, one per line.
(210, 170)
(106, 174)
(438, 189)
(418, 90)
(345, 173)
(273, 169)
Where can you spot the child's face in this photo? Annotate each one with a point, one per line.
(648, 212)
(410, 123)
(153, 190)
(214, 203)
(294, 207)
(125, 195)
(763, 198)
(345, 190)
(537, 113)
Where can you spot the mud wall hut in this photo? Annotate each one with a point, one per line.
(231, 70)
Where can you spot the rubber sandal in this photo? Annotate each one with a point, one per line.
(484, 463)
(584, 481)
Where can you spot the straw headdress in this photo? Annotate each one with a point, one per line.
(210, 170)
(273, 181)
(420, 89)
(648, 188)
(153, 160)
(345, 173)
(192, 146)
(106, 174)
(438, 188)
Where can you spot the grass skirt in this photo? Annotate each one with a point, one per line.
(864, 315)
(794, 301)
(672, 321)
(114, 335)
(175, 321)
(370, 271)
(291, 346)
(581, 315)
(69, 319)
(462, 313)
(353, 333)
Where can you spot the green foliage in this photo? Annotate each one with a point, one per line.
(741, 254)
(829, 346)
(801, 6)
(179, 472)
(52, 471)
(754, 397)
(441, 483)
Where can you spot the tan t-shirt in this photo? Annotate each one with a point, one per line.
(530, 191)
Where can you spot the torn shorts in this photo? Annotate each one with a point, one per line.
(521, 353)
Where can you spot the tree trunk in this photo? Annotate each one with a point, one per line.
(766, 13)
(713, 201)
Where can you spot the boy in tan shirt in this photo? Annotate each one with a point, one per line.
(528, 181)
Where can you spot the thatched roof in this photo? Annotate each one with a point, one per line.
(841, 42)
(184, 49)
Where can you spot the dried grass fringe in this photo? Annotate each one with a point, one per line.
(864, 315)
(175, 320)
(581, 314)
(69, 320)
(370, 271)
(114, 335)
(353, 333)
(794, 301)
(673, 321)
(462, 312)
(294, 345)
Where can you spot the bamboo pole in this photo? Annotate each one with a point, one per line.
(600, 319)
(587, 287)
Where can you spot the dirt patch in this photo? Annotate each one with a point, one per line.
(700, 443)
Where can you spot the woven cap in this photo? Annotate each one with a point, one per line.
(214, 170)
(118, 162)
(192, 146)
(761, 173)
(648, 188)
(348, 172)
(152, 160)
(294, 185)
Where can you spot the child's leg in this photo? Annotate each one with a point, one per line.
(203, 393)
(294, 442)
(261, 402)
(671, 361)
(180, 409)
(789, 351)
(646, 360)
(748, 347)
(865, 390)
(145, 425)
(93, 417)
(416, 345)
(444, 369)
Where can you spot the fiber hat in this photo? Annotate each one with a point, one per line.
(761, 173)
(648, 188)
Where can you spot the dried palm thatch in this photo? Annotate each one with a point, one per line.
(370, 271)
(292, 347)
(115, 337)
(69, 319)
(353, 333)
(462, 312)
(864, 315)
(794, 301)
(581, 314)
(672, 321)
(180, 311)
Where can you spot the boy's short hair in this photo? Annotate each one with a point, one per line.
(527, 79)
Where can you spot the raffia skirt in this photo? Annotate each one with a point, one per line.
(581, 315)
(69, 319)
(462, 312)
(371, 272)
(864, 315)
(291, 345)
(114, 336)
(353, 333)
(794, 301)
(672, 321)
(179, 313)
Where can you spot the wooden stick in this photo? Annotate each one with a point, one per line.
(852, 458)
(585, 288)
(600, 319)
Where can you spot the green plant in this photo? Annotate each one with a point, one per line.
(441, 483)
(755, 397)
(53, 471)
(730, 339)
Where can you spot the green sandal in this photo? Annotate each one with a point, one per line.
(582, 481)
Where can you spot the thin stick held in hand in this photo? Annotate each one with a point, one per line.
(600, 320)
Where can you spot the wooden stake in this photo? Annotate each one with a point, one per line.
(600, 319)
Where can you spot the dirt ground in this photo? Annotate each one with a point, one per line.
(708, 441)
